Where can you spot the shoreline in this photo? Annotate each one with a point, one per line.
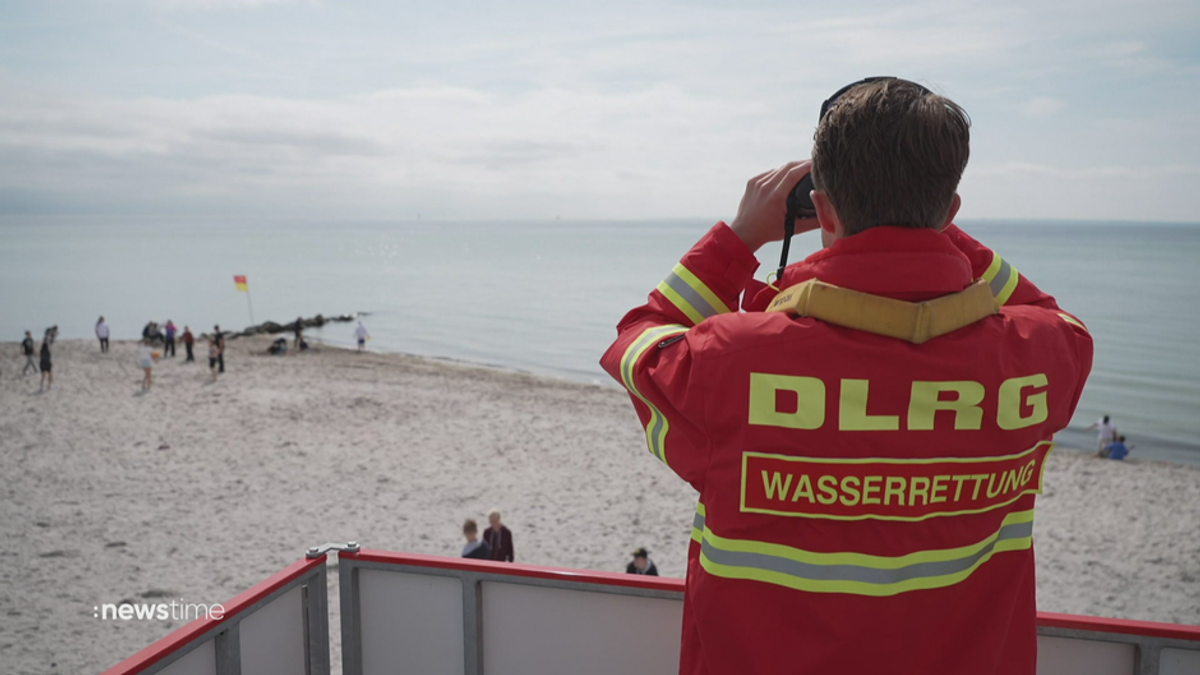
(198, 491)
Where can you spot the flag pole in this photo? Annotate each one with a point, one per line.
(249, 305)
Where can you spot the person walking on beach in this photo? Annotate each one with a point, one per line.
(45, 364)
(169, 341)
(146, 361)
(642, 564)
(189, 341)
(1106, 433)
(499, 538)
(102, 334)
(476, 548)
(214, 356)
(824, 419)
(361, 335)
(219, 337)
(298, 329)
(29, 349)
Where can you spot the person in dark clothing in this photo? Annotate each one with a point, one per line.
(499, 538)
(188, 341)
(102, 333)
(299, 330)
(219, 338)
(475, 548)
(45, 365)
(28, 349)
(169, 340)
(642, 564)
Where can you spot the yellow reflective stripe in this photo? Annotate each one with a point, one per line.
(657, 427)
(1006, 292)
(1071, 320)
(690, 295)
(677, 300)
(990, 273)
(700, 287)
(857, 587)
(1002, 278)
(858, 573)
(698, 524)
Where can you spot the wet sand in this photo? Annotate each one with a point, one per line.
(199, 490)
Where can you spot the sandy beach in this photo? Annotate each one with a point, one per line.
(197, 490)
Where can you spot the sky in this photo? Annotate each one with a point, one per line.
(1081, 109)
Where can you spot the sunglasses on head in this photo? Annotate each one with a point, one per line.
(838, 94)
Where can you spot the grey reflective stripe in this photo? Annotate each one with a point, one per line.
(1002, 276)
(690, 295)
(698, 522)
(867, 575)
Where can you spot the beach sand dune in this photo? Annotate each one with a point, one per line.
(197, 490)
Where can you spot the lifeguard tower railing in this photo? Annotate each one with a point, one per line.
(407, 613)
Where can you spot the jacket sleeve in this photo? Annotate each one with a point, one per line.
(1008, 285)
(658, 348)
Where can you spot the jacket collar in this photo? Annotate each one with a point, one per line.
(895, 262)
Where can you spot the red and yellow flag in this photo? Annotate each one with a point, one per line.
(239, 280)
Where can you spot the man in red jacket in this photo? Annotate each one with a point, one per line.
(868, 436)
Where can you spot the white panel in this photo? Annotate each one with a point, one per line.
(411, 623)
(200, 661)
(272, 637)
(1068, 656)
(528, 630)
(1178, 662)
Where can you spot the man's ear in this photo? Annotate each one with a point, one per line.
(955, 205)
(827, 216)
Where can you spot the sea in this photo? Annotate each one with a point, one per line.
(544, 297)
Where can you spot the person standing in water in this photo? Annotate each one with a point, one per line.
(1106, 433)
(102, 333)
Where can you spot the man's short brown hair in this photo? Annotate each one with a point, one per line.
(891, 152)
(469, 527)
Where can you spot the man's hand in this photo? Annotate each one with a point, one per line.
(764, 206)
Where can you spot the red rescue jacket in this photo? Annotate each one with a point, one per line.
(866, 504)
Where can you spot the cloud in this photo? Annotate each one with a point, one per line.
(1042, 106)
(620, 110)
(223, 4)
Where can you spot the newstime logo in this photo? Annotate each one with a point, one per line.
(160, 611)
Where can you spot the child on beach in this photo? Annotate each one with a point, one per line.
(146, 361)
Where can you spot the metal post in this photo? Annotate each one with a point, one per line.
(316, 623)
(251, 306)
(228, 645)
(1146, 661)
(472, 595)
(351, 617)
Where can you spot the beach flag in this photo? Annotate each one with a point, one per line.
(239, 280)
